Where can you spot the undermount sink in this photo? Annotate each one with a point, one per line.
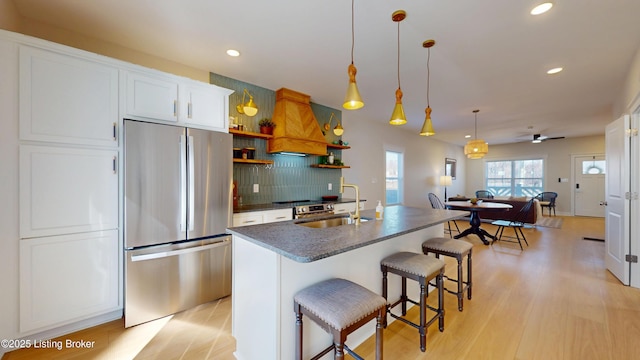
(332, 222)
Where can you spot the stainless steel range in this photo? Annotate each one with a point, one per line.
(306, 211)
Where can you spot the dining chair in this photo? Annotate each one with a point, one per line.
(516, 224)
(484, 194)
(436, 203)
(547, 200)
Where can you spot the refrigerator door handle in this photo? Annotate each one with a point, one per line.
(191, 176)
(164, 254)
(183, 183)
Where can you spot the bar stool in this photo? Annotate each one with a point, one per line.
(340, 307)
(421, 268)
(457, 249)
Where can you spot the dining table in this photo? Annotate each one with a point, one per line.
(474, 220)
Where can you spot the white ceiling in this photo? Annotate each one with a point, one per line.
(489, 55)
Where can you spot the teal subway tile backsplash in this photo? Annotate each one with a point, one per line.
(289, 178)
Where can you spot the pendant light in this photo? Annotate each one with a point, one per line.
(477, 148)
(352, 101)
(398, 117)
(427, 127)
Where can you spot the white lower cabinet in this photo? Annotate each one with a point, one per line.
(344, 208)
(67, 278)
(67, 190)
(262, 217)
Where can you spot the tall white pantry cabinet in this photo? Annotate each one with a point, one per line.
(61, 112)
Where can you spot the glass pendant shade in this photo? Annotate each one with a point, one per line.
(250, 108)
(338, 130)
(476, 149)
(427, 127)
(352, 101)
(398, 117)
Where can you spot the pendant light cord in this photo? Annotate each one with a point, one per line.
(428, 73)
(353, 39)
(398, 54)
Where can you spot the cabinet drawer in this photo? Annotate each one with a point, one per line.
(251, 218)
(277, 215)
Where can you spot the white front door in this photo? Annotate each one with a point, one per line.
(589, 185)
(617, 178)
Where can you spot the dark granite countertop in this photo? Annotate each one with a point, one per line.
(285, 205)
(304, 244)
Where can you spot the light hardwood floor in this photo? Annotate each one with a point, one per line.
(554, 300)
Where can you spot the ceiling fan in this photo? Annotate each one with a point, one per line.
(537, 138)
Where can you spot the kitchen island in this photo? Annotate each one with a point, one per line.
(271, 262)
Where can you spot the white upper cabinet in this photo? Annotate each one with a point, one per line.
(207, 106)
(151, 97)
(67, 99)
(67, 190)
(154, 97)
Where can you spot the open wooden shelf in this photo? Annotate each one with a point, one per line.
(249, 134)
(252, 161)
(323, 166)
(336, 146)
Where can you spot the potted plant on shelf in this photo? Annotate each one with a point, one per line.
(266, 126)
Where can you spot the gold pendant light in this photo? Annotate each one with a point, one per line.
(427, 127)
(352, 101)
(477, 148)
(398, 117)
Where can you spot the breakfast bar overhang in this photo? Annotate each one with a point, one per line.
(271, 262)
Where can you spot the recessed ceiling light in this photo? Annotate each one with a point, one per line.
(542, 8)
(233, 53)
(467, 136)
(554, 71)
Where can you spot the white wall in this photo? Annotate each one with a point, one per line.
(558, 163)
(424, 160)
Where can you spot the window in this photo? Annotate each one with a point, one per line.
(515, 177)
(394, 170)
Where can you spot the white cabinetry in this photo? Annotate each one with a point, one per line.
(262, 217)
(343, 208)
(66, 278)
(67, 190)
(151, 97)
(67, 99)
(156, 97)
(206, 106)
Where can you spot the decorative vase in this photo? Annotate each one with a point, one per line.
(266, 130)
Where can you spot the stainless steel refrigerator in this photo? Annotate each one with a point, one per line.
(177, 208)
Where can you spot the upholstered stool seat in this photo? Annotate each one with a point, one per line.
(457, 249)
(421, 268)
(340, 307)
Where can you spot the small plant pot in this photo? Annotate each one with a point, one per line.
(266, 130)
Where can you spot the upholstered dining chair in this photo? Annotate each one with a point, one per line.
(547, 200)
(484, 194)
(436, 203)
